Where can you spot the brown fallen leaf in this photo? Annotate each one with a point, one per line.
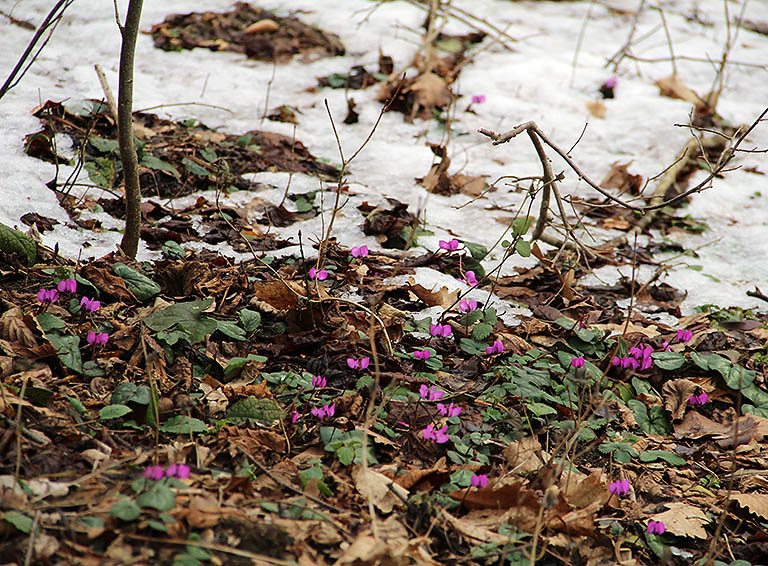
(620, 178)
(673, 87)
(525, 455)
(431, 91)
(444, 297)
(382, 491)
(756, 503)
(683, 520)
(597, 109)
(676, 393)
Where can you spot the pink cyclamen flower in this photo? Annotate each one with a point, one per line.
(359, 252)
(665, 346)
(620, 487)
(478, 99)
(319, 275)
(616, 361)
(90, 305)
(656, 527)
(180, 471)
(67, 286)
(422, 355)
(698, 399)
(97, 338)
(469, 277)
(478, 480)
(430, 393)
(362, 363)
(497, 348)
(467, 306)
(611, 83)
(318, 381)
(47, 295)
(325, 412)
(294, 417)
(449, 411)
(154, 473)
(684, 335)
(437, 436)
(451, 245)
(440, 330)
(577, 362)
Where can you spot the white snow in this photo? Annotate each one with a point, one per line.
(538, 81)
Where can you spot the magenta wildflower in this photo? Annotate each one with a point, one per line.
(67, 286)
(47, 295)
(479, 480)
(611, 83)
(440, 330)
(362, 363)
(325, 412)
(359, 252)
(437, 436)
(619, 488)
(97, 338)
(318, 381)
(450, 245)
(470, 278)
(478, 99)
(577, 362)
(467, 306)
(656, 527)
(319, 275)
(294, 417)
(430, 393)
(497, 348)
(701, 399)
(153, 473)
(422, 355)
(684, 335)
(616, 361)
(90, 305)
(449, 411)
(665, 346)
(180, 471)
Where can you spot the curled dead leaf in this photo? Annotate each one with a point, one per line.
(262, 26)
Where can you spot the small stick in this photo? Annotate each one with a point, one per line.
(107, 92)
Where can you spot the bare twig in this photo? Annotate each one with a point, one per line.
(111, 104)
(22, 66)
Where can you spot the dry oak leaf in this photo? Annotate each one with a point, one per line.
(525, 455)
(431, 90)
(676, 393)
(597, 109)
(755, 503)
(441, 298)
(476, 527)
(620, 178)
(673, 87)
(382, 491)
(587, 490)
(683, 520)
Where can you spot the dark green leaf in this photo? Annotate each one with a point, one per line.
(48, 321)
(523, 247)
(668, 360)
(127, 392)
(17, 244)
(186, 319)
(158, 164)
(104, 145)
(250, 319)
(477, 251)
(18, 520)
(231, 329)
(138, 283)
(668, 457)
(481, 331)
(472, 347)
(521, 225)
(182, 424)
(126, 510)
(262, 410)
(194, 169)
(114, 412)
(158, 496)
(68, 349)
